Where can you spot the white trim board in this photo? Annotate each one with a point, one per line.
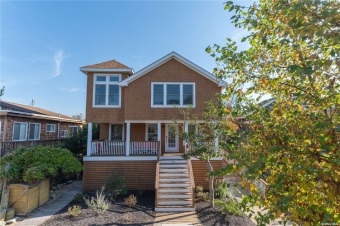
(128, 158)
(181, 59)
(119, 158)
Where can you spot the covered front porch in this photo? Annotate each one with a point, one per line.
(138, 138)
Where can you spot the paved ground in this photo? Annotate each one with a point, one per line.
(63, 197)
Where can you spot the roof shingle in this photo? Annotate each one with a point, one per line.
(107, 64)
(35, 110)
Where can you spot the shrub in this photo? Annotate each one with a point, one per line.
(74, 211)
(100, 204)
(229, 206)
(37, 163)
(79, 197)
(131, 201)
(115, 185)
(200, 194)
(222, 190)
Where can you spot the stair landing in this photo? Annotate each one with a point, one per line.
(176, 218)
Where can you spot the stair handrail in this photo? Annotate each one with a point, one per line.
(192, 180)
(157, 174)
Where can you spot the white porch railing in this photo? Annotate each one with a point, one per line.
(143, 147)
(108, 148)
(118, 148)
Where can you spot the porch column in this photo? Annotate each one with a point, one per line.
(158, 131)
(127, 146)
(89, 138)
(186, 130)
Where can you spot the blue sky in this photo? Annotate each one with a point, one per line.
(44, 43)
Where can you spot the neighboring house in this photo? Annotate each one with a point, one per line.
(136, 113)
(23, 125)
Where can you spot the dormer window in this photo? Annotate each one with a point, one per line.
(106, 91)
(172, 94)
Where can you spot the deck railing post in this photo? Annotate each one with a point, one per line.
(127, 146)
(89, 138)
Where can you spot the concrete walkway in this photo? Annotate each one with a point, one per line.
(63, 197)
(176, 219)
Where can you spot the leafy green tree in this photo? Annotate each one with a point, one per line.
(2, 91)
(294, 143)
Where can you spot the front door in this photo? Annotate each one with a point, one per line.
(171, 138)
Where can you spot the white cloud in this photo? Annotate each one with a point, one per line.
(58, 59)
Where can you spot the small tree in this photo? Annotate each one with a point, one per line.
(205, 144)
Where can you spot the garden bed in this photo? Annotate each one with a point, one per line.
(118, 213)
(209, 216)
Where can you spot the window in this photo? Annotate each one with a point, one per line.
(63, 133)
(73, 130)
(172, 94)
(117, 132)
(158, 94)
(50, 128)
(106, 91)
(34, 131)
(152, 132)
(20, 131)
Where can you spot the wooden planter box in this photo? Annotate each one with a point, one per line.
(25, 198)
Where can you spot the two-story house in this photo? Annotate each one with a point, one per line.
(138, 138)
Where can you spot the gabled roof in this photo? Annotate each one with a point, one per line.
(107, 66)
(170, 56)
(36, 111)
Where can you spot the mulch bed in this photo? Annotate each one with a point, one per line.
(118, 214)
(214, 216)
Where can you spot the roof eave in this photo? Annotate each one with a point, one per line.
(172, 55)
(128, 70)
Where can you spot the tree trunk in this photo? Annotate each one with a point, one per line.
(211, 184)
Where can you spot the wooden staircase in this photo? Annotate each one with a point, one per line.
(174, 185)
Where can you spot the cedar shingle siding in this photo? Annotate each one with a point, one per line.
(136, 97)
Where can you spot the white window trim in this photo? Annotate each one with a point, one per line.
(29, 128)
(55, 126)
(147, 129)
(60, 133)
(106, 83)
(73, 127)
(123, 130)
(180, 93)
(19, 135)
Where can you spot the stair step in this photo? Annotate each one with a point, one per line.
(171, 158)
(175, 161)
(173, 170)
(174, 196)
(174, 209)
(174, 185)
(174, 180)
(162, 166)
(172, 175)
(174, 203)
(174, 190)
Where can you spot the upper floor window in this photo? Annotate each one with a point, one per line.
(172, 94)
(107, 92)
